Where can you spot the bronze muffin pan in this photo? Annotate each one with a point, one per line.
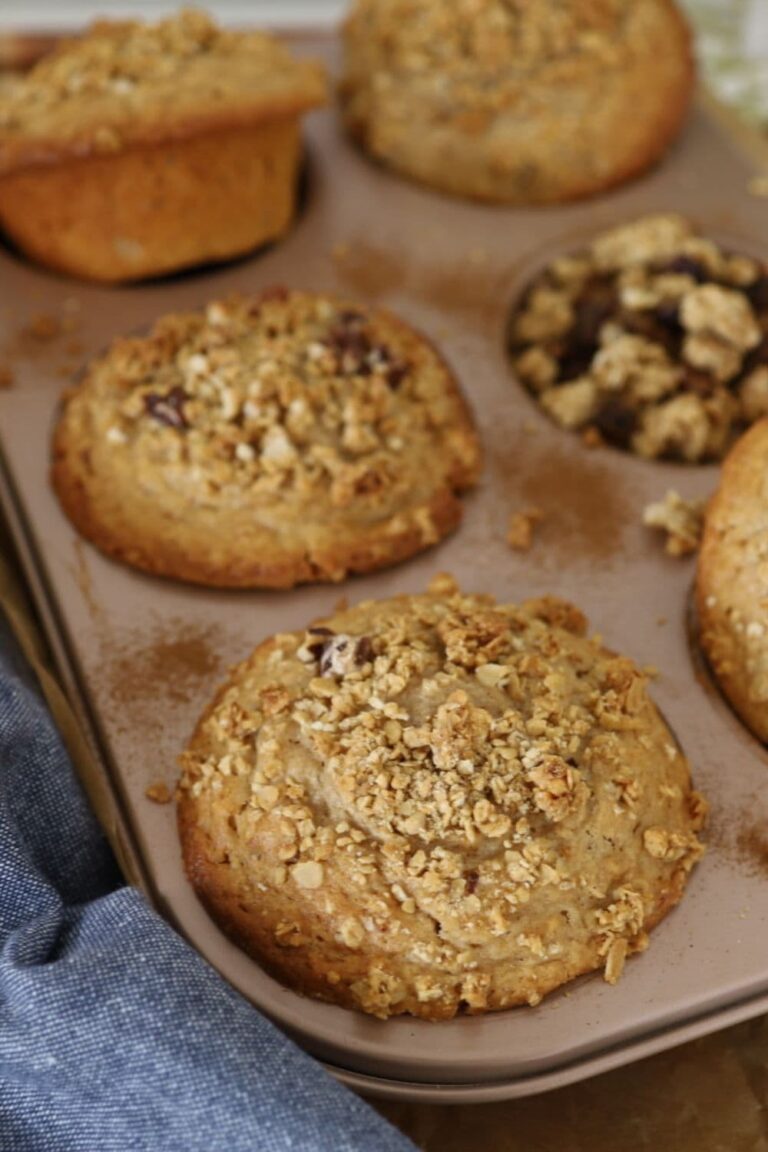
(140, 657)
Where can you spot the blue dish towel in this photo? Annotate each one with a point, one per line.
(114, 1033)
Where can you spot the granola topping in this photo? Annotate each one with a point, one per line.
(440, 757)
(99, 91)
(277, 392)
(654, 339)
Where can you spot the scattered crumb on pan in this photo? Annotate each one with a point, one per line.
(522, 527)
(42, 326)
(758, 186)
(592, 438)
(681, 520)
(159, 793)
(752, 846)
(42, 334)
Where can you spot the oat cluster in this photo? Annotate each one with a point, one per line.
(479, 799)
(681, 521)
(654, 337)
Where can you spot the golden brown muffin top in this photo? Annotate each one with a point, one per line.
(130, 82)
(496, 47)
(279, 391)
(482, 801)
(286, 436)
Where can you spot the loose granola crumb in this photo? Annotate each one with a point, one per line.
(43, 327)
(521, 529)
(159, 793)
(758, 186)
(615, 960)
(681, 520)
(592, 438)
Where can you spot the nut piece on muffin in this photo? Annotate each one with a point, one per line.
(138, 149)
(515, 101)
(732, 580)
(436, 804)
(654, 339)
(267, 441)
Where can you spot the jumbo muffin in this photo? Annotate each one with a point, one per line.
(732, 580)
(513, 101)
(266, 441)
(139, 149)
(653, 339)
(436, 804)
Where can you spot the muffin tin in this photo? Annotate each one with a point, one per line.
(141, 657)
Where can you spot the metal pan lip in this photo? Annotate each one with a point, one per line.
(490, 1091)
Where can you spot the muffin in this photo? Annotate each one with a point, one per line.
(732, 580)
(266, 441)
(513, 101)
(435, 804)
(139, 149)
(653, 339)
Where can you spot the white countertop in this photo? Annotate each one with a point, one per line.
(46, 14)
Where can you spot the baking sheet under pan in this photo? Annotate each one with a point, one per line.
(141, 657)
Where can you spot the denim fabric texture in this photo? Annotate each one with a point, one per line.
(114, 1033)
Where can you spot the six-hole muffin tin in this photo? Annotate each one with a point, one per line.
(141, 657)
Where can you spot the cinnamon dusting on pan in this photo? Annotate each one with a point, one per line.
(157, 668)
(179, 656)
(42, 327)
(367, 269)
(752, 848)
(742, 839)
(587, 503)
(461, 285)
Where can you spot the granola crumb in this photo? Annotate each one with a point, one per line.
(592, 438)
(521, 529)
(6, 376)
(682, 520)
(615, 960)
(159, 793)
(758, 186)
(44, 326)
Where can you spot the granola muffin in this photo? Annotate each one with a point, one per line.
(266, 441)
(436, 804)
(513, 101)
(138, 149)
(653, 339)
(732, 580)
